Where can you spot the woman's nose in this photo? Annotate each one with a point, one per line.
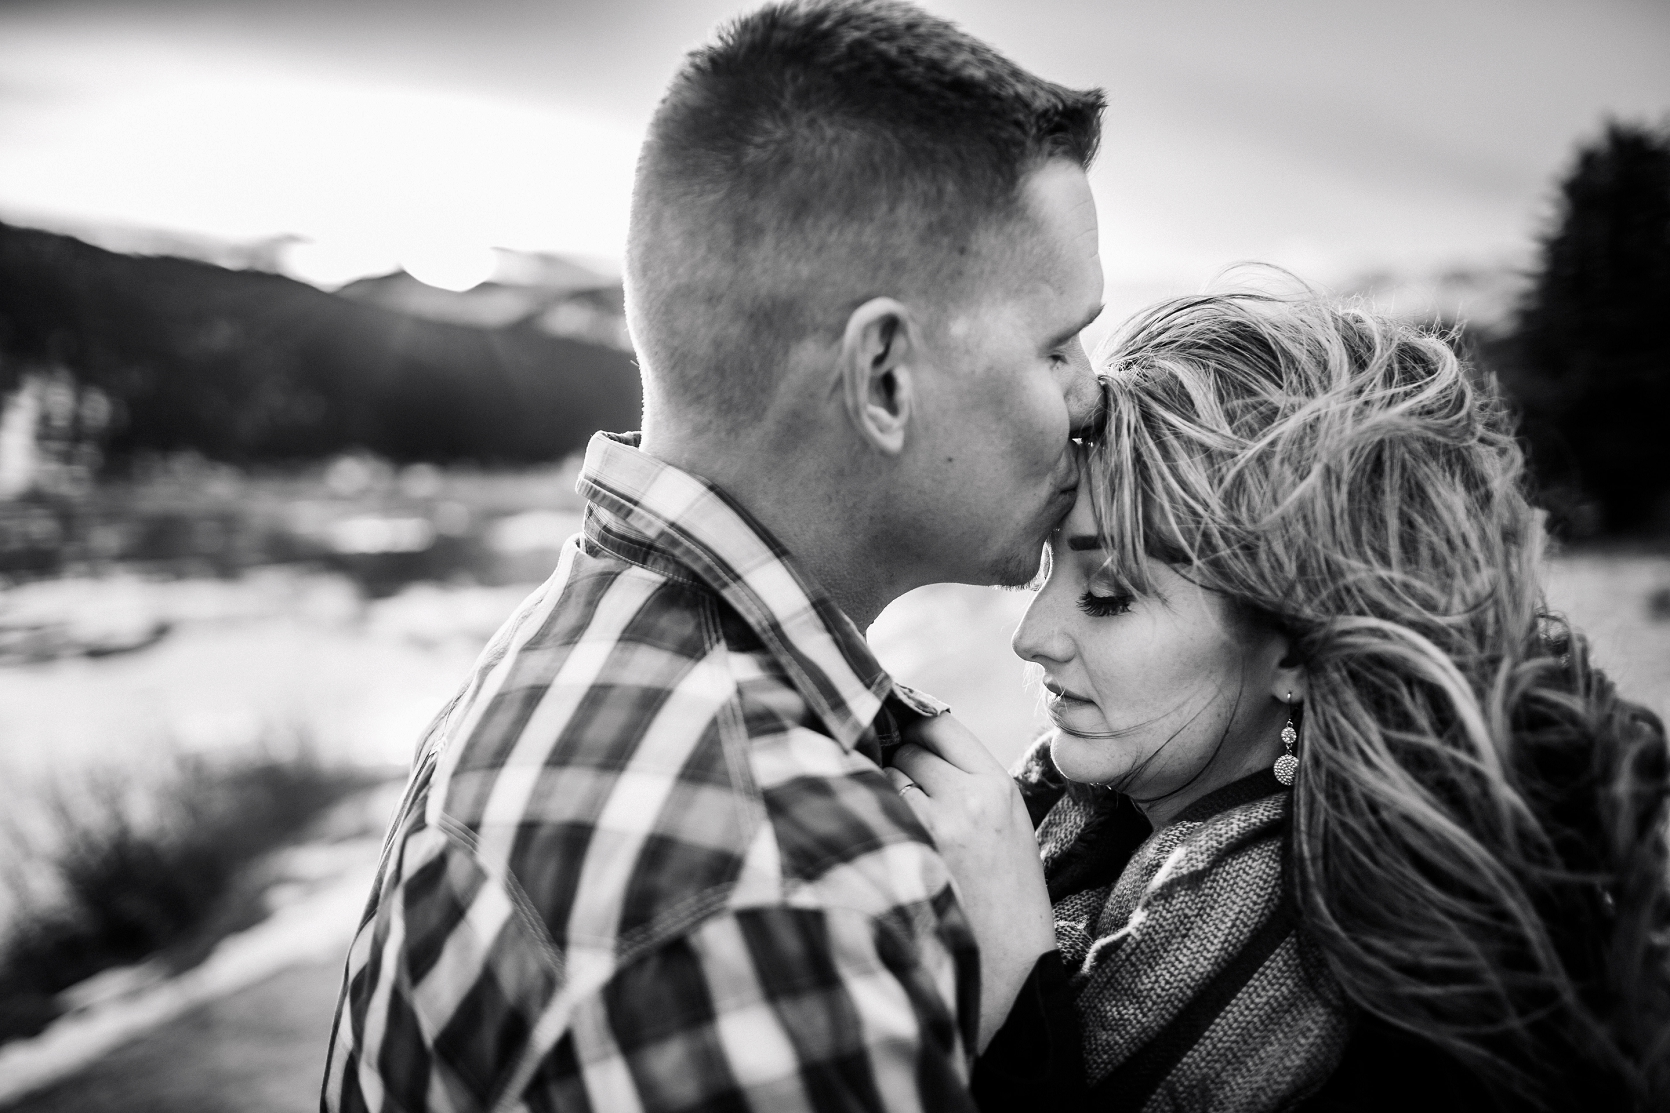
(1039, 638)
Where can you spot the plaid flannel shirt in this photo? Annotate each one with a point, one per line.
(647, 859)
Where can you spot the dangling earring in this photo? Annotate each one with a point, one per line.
(1287, 765)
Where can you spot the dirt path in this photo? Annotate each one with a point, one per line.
(261, 1050)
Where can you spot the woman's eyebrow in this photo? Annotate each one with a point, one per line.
(1084, 543)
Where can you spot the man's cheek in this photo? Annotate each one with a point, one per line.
(1048, 432)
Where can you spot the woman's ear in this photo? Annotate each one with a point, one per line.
(879, 351)
(1287, 683)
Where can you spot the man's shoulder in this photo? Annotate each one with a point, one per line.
(628, 777)
(576, 676)
(632, 756)
(588, 729)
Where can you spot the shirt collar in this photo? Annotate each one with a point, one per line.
(676, 515)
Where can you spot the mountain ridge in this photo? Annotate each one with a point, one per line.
(248, 366)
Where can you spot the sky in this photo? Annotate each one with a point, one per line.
(1332, 136)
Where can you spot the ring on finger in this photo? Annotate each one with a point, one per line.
(908, 785)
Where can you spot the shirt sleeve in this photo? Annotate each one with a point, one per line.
(446, 981)
(1036, 1060)
(774, 1008)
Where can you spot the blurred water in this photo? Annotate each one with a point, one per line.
(282, 651)
(279, 652)
(952, 640)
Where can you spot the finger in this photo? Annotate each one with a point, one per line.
(936, 775)
(954, 742)
(911, 793)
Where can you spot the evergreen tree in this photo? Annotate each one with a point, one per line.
(1592, 345)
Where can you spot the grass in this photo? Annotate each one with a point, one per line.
(126, 874)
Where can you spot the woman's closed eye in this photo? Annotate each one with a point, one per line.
(1105, 606)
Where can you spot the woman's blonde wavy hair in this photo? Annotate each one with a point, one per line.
(1478, 831)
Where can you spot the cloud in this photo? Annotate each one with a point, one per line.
(1338, 137)
(243, 147)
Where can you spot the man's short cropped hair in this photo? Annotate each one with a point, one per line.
(815, 155)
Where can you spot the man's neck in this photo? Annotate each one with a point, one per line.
(827, 536)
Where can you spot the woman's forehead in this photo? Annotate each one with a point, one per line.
(1081, 519)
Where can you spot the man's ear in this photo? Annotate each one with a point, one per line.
(880, 351)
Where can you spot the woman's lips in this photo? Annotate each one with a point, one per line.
(1063, 695)
(1073, 713)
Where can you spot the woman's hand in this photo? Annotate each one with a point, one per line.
(977, 818)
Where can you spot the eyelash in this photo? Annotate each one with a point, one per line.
(1104, 606)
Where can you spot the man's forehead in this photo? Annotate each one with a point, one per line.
(1044, 266)
(1059, 253)
(1058, 197)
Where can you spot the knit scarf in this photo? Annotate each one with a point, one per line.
(1195, 988)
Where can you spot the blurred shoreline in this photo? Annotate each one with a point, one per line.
(104, 668)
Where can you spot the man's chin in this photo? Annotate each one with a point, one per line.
(1023, 570)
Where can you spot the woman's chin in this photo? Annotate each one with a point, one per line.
(1089, 760)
